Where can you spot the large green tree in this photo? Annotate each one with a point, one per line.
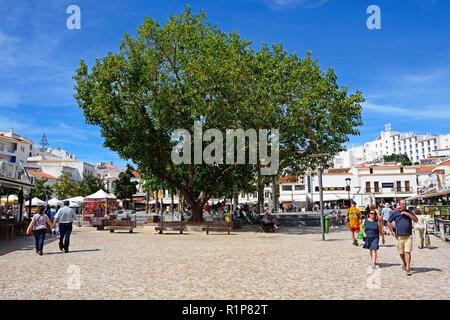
(90, 184)
(169, 76)
(42, 190)
(66, 187)
(123, 186)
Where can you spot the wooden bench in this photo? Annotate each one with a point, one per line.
(9, 230)
(113, 225)
(171, 226)
(219, 226)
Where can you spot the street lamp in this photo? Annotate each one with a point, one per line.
(320, 171)
(348, 182)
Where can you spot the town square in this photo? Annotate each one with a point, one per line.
(261, 150)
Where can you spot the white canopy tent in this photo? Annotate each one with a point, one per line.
(55, 202)
(10, 198)
(100, 194)
(35, 202)
(75, 201)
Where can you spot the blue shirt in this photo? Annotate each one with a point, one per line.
(371, 229)
(403, 224)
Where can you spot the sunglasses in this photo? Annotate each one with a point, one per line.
(373, 213)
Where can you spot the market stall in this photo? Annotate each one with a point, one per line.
(35, 203)
(439, 224)
(55, 202)
(97, 207)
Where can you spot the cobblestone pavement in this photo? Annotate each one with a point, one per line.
(245, 265)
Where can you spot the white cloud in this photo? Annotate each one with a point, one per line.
(281, 4)
(428, 112)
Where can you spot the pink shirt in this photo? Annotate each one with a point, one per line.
(40, 221)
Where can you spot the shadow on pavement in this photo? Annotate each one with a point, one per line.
(388, 265)
(21, 243)
(71, 251)
(424, 270)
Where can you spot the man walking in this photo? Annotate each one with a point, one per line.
(64, 217)
(403, 233)
(354, 221)
(386, 212)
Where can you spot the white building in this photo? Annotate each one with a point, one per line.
(109, 174)
(416, 146)
(366, 184)
(56, 167)
(15, 148)
(385, 183)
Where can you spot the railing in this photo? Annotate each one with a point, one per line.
(13, 171)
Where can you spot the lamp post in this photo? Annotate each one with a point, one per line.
(348, 182)
(320, 173)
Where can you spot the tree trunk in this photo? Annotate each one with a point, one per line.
(235, 197)
(260, 197)
(196, 206)
(157, 201)
(171, 202)
(180, 201)
(274, 194)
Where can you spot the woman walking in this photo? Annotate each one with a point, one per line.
(372, 231)
(38, 225)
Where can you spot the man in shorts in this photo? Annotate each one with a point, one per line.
(354, 221)
(403, 233)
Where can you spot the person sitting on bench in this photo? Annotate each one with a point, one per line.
(269, 222)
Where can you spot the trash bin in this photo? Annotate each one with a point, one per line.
(327, 223)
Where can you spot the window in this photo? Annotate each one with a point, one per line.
(399, 186)
(407, 186)
(401, 169)
(371, 170)
(266, 194)
(377, 186)
(299, 187)
(286, 188)
(367, 186)
(302, 179)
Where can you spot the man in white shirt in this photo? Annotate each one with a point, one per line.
(420, 228)
(386, 212)
(64, 217)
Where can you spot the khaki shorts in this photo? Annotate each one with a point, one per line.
(404, 244)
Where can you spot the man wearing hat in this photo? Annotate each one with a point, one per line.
(354, 221)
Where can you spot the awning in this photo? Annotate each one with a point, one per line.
(436, 194)
(293, 197)
(14, 183)
(331, 197)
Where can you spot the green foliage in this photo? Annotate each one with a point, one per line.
(66, 187)
(169, 76)
(124, 187)
(42, 190)
(90, 185)
(402, 158)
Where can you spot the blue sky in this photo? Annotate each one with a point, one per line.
(403, 69)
